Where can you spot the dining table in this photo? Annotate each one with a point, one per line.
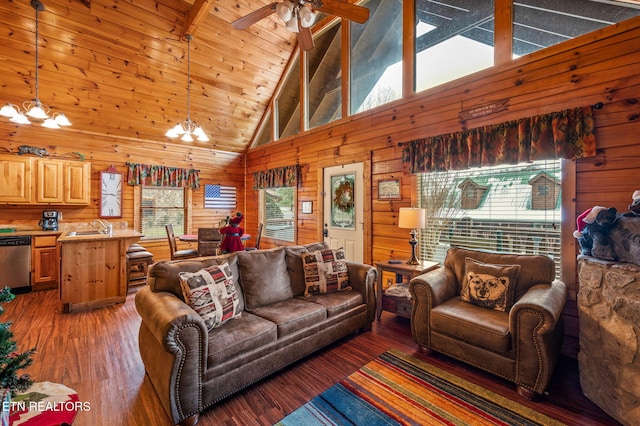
(194, 237)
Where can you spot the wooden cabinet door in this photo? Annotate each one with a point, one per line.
(15, 179)
(45, 263)
(77, 184)
(49, 176)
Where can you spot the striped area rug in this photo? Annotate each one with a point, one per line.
(398, 389)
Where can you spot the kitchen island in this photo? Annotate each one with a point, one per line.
(93, 268)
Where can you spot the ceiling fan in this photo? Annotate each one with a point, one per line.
(299, 16)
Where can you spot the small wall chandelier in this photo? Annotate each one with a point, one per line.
(35, 109)
(188, 129)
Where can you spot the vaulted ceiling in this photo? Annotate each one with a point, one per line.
(119, 67)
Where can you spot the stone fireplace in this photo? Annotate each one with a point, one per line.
(609, 357)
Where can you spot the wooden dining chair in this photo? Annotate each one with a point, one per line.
(257, 246)
(173, 248)
(209, 240)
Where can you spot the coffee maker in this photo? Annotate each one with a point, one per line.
(49, 221)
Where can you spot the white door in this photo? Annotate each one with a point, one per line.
(344, 209)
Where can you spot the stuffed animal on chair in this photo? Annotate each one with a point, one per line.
(232, 234)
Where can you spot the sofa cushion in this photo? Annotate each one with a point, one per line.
(211, 292)
(325, 271)
(264, 277)
(338, 302)
(295, 266)
(534, 269)
(239, 336)
(292, 315)
(486, 328)
(163, 275)
(488, 285)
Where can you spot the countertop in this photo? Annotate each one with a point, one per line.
(29, 232)
(68, 237)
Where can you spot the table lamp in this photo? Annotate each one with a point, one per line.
(414, 219)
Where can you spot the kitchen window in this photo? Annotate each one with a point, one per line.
(161, 206)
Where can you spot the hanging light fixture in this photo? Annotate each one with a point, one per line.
(35, 109)
(188, 129)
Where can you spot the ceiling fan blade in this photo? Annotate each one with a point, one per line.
(305, 39)
(253, 17)
(345, 10)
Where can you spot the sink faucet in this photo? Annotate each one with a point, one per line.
(105, 226)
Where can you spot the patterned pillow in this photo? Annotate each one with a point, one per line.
(489, 286)
(211, 292)
(325, 271)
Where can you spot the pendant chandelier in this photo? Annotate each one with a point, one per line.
(188, 129)
(35, 109)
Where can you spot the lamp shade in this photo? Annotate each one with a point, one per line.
(411, 218)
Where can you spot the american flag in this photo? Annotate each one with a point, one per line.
(219, 197)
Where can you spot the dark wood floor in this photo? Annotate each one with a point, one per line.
(95, 352)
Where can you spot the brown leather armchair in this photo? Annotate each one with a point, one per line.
(520, 344)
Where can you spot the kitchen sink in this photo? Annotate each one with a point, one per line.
(78, 233)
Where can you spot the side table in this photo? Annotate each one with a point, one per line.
(398, 305)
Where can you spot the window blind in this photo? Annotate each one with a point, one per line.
(514, 209)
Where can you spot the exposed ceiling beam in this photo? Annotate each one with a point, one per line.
(197, 13)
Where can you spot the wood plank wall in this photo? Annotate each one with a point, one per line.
(600, 67)
(102, 151)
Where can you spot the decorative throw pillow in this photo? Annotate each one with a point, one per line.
(488, 285)
(211, 292)
(325, 271)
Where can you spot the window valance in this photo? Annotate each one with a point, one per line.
(276, 178)
(174, 177)
(564, 134)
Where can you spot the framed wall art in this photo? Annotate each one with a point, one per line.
(389, 189)
(307, 207)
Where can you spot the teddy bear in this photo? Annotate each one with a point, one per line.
(232, 234)
(599, 233)
(634, 207)
(581, 233)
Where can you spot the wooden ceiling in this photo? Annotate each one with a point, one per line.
(119, 67)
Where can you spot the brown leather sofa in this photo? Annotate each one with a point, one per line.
(192, 367)
(520, 344)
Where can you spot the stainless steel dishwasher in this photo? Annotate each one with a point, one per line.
(15, 263)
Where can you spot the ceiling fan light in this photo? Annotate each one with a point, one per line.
(307, 17)
(9, 111)
(292, 25)
(285, 11)
(187, 137)
(61, 119)
(50, 123)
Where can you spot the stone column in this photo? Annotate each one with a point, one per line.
(609, 357)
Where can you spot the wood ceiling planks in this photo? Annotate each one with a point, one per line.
(119, 67)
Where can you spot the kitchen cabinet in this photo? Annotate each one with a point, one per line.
(15, 179)
(44, 181)
(44, 261)
(62, 182)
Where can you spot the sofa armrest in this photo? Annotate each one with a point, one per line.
(171, 325)
(535, 321)
(363, 278)
(429, 290)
